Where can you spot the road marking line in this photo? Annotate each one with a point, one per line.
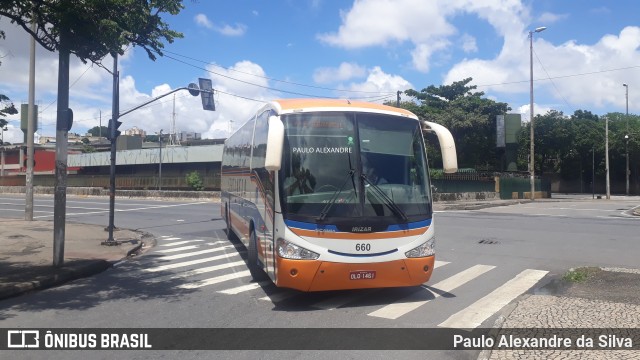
(195, 253)
(134, 209)
(243, 288)
(190, 247)
(407, 304)
(188, 263)
(198, 271)
(181, 242)
(215, 280)
(472, 316)
(337, 301)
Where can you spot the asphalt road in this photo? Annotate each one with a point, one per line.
(194, 278)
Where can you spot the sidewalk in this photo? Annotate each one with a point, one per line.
(26, 255)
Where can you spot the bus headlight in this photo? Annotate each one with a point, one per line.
(288, 250)
(426, 249)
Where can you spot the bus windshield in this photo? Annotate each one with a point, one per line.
(345, 165)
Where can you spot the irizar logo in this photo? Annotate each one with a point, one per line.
(361, 229)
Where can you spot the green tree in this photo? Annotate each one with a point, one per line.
(99, 131)
(6, 106)
(469, 116)
(571, 145)
(94, 29)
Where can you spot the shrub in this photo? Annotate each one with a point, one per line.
(195, 181)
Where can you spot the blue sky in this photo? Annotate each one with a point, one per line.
(255, 51)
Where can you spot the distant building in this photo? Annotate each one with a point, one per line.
(134, 131)
(188, 136)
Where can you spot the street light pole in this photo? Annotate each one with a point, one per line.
(532, 153)
(593, 172)
(160, 162)
(626, 138)
(606, 151)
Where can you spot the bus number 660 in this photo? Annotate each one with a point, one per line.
(363, 247)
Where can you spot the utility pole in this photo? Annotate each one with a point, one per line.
(627, 173)
(160, 162)
(31, 116)
(606, 150)
(62, 135)
(398, 98)
(593, 172)
(532, 160)
(113, 125)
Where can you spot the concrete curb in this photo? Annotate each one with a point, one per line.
(86, 269)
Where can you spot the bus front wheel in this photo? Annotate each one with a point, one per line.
(252, 258)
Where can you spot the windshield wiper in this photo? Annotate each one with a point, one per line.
(334, 197)
(390, 203)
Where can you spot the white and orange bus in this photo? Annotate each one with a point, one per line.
(333, 194)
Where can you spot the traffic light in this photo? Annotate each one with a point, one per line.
(206, 94)
(113, 132)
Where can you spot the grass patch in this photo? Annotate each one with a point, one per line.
(580, 274)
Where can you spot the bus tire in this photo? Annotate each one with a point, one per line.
(252, 258)
(227, 221)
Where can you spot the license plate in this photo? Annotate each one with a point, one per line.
(362, 275)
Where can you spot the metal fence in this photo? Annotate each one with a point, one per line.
(124, 182)
(462, 182)
(509, 185)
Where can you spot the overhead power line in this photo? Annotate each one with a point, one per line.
(274, 79)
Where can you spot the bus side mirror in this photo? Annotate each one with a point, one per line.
(447, 146)
(275, 142)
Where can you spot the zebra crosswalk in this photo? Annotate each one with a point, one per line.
(217, 265)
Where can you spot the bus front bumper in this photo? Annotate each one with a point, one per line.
(311, 275)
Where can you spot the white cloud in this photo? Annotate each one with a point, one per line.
(237, 30)
(227, 30)
(203, 20)
(509, 72)
(525, 111)
(550, 18)
(230, 110)
(599, 84)
(469, 44)
(345, 71)
(421, 55)
(379, 82)
(404, 21)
